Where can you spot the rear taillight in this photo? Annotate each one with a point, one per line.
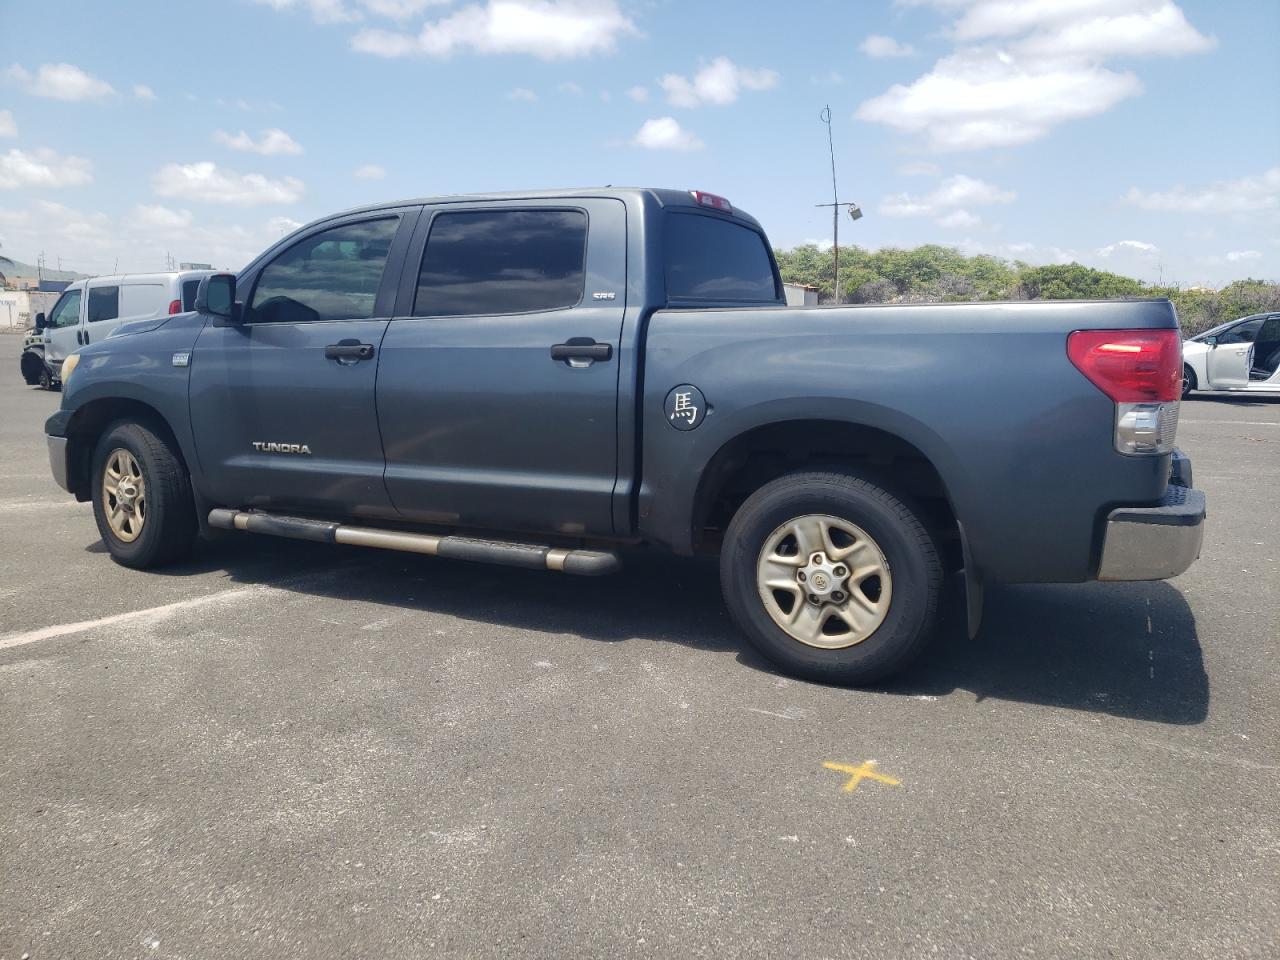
(1141, 370)
(175, 306)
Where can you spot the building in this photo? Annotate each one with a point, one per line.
(18, 308)
(800, 295)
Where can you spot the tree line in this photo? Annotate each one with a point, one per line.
(933, 273)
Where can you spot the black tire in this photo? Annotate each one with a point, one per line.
(1188, 380)
(906, 545)
(170, 526)
(31, 369)
(45, 379)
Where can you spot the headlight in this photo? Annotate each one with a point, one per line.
(69, 365)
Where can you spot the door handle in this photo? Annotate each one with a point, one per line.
(348, 351)
(80, 338)
(582, 348)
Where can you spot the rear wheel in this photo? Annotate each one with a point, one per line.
(831, 577)
(142, 497)
(1188, 380)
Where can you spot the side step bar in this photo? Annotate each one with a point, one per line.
(586, 563)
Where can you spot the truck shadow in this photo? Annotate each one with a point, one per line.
(1127, 650)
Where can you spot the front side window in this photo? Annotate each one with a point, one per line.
(712, 259)
(331, 275)
(1242, 333)
(66, 312)
(104, 303)
(501, 262)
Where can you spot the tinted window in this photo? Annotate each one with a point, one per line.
(104, 303)
(1270, 330)
(713, 259)
(66, 312)
(1241, 333)
(189, 288)
(331, 275)
(502, 261)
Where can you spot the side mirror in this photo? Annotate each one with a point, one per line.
(41, 323)
(1211, 341)
(216, 296)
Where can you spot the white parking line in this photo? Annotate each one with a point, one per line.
(1235, 423)
(151, 613)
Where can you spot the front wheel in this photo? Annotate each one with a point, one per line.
(831, 577)
(142, 497)
(45, 379)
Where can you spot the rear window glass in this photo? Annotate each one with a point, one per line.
(712, 259)
(189, 288)
(501, 262)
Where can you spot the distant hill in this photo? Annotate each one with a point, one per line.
(16, 269)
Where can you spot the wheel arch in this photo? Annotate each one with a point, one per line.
(92, 418)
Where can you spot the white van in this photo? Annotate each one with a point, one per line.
(89, 310)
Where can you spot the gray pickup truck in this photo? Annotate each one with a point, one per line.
(539, 379)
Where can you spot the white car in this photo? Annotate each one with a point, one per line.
(1242, 355)
(89, 310)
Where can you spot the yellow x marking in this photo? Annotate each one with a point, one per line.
(857, 774)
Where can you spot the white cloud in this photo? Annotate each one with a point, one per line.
(881, 46)
(960, 219)
(570, 88)
(1023, 67)
(638, 93)
(919, 168)
(369, 171)
(8, 128)
(547, 29)
(160, 217)
(273, 142)
(948, 200)
(322, 11)
(60, 81)
(719, 83)
(143, 92)
(523, 94)
(1244, 195)
(42, 168)
(985, 98)
(664, 133)
(400, 9)
(1236, 256)
(1140, 247)
(206, 182)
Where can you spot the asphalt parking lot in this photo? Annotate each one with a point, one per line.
(282, 750)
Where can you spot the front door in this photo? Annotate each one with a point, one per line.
(62, 329)
(1229, 358)
(498, 385)
(282, 405)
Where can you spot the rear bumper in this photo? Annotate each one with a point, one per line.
(1159, 541)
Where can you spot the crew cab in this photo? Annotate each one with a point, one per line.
(538, 379)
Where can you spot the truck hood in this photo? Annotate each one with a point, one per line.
(140, 326)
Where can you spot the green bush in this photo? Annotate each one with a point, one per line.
(935, 273)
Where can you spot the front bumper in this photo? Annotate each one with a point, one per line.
(58, 461)
(1156, 542)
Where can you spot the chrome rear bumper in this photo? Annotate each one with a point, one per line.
(1155, 542)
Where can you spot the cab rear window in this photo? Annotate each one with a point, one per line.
(708, 258)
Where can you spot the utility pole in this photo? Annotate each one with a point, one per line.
(854, 211)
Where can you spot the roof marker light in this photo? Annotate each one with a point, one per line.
(712, 201)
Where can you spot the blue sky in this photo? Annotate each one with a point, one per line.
(1136, 135)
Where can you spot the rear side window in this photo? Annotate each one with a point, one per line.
(502, 261)
(104, 303)
(331, 275)
(142, 299)
(189, 288)
(712, 259)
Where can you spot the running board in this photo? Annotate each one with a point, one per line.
(587, 563)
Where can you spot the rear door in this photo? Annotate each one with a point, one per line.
(1229, 359)
(282, 405)
(498, 388)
